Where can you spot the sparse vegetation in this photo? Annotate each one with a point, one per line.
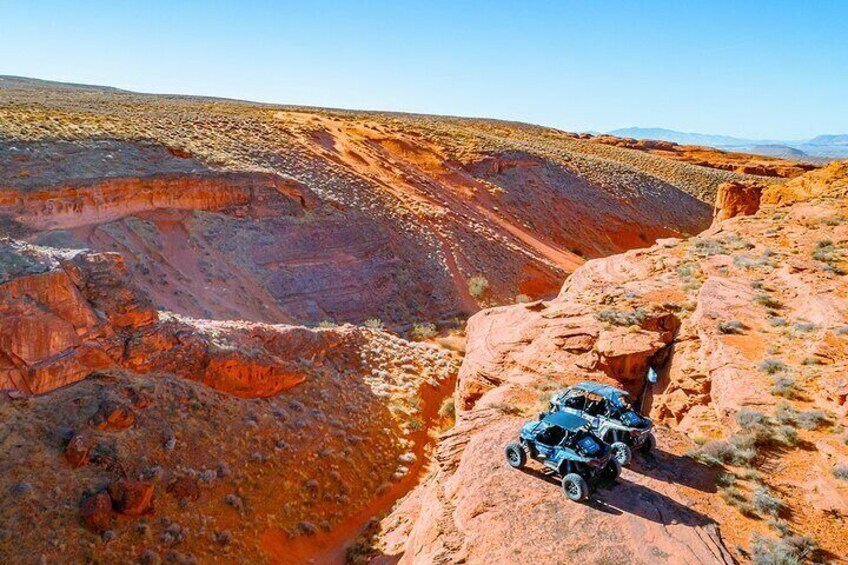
(477, 286)
(785, 387)
(731, 327)
(613, 317)
(841, 472)
(787, 551)
(767, 300)
(374, 323)
(772, 366)
(765, 503)
(447, 409)
(423, 331)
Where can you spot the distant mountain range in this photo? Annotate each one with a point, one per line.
(819, 147)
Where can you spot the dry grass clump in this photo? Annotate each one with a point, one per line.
(426, 330)
(614, 317)
(731, 327)
(477, 286)
(758, 432)
(793, 550)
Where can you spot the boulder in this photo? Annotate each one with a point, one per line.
(132, 498)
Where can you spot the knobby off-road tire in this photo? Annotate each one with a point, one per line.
(622, 453)
(610, 473)
(515, 455)
(648, 447)
(575, 488)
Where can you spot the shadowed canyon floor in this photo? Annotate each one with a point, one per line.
(194, 366)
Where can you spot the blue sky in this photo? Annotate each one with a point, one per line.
(766, 69)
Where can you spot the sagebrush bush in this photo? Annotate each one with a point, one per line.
(731, 327)
(373, 323)
(841, 472)
(614, 317)
(811, 419)
(765, 503)
(767, 300)
(477, 286)
(772, 366)
(785, 387)
(424, 331)
(788, 551)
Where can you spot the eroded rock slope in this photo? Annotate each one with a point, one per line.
(746, 324)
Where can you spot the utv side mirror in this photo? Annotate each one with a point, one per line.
(542, 415)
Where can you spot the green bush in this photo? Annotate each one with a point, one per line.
(477, 286)
(424, 331)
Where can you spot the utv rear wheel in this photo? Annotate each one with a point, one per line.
(575, 488)
(610, 473)
(515, 455)
(621, 452)
(649, 445)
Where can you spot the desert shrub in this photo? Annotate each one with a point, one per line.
(709, 247)
(750, 263)
(772, 366)
(373, 323)
(765, 503)
(811, 419)
(788, 551)
(777, 321)
(448, 408)
(424, 331)
(841, 472)
(731, 327)
(785, 387)
(748, 418)
(738, 450)
(805, 327)
(523, 299)
(812, 361)
(477, 286)
(327, 324)
(735, 497)
(620, 318)
(842, 331)
(767, 300)
(784, 413)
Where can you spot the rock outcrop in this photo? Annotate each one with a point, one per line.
(744, 323)
(737, 199)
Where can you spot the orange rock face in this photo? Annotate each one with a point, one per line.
(737, 199)
(743, 319)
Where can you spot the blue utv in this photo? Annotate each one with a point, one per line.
(566, 444)
(612, 416)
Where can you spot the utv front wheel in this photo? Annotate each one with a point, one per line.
(649, 445)
(575, 488)
(515, 455)
(621, 452)
(610, 473)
